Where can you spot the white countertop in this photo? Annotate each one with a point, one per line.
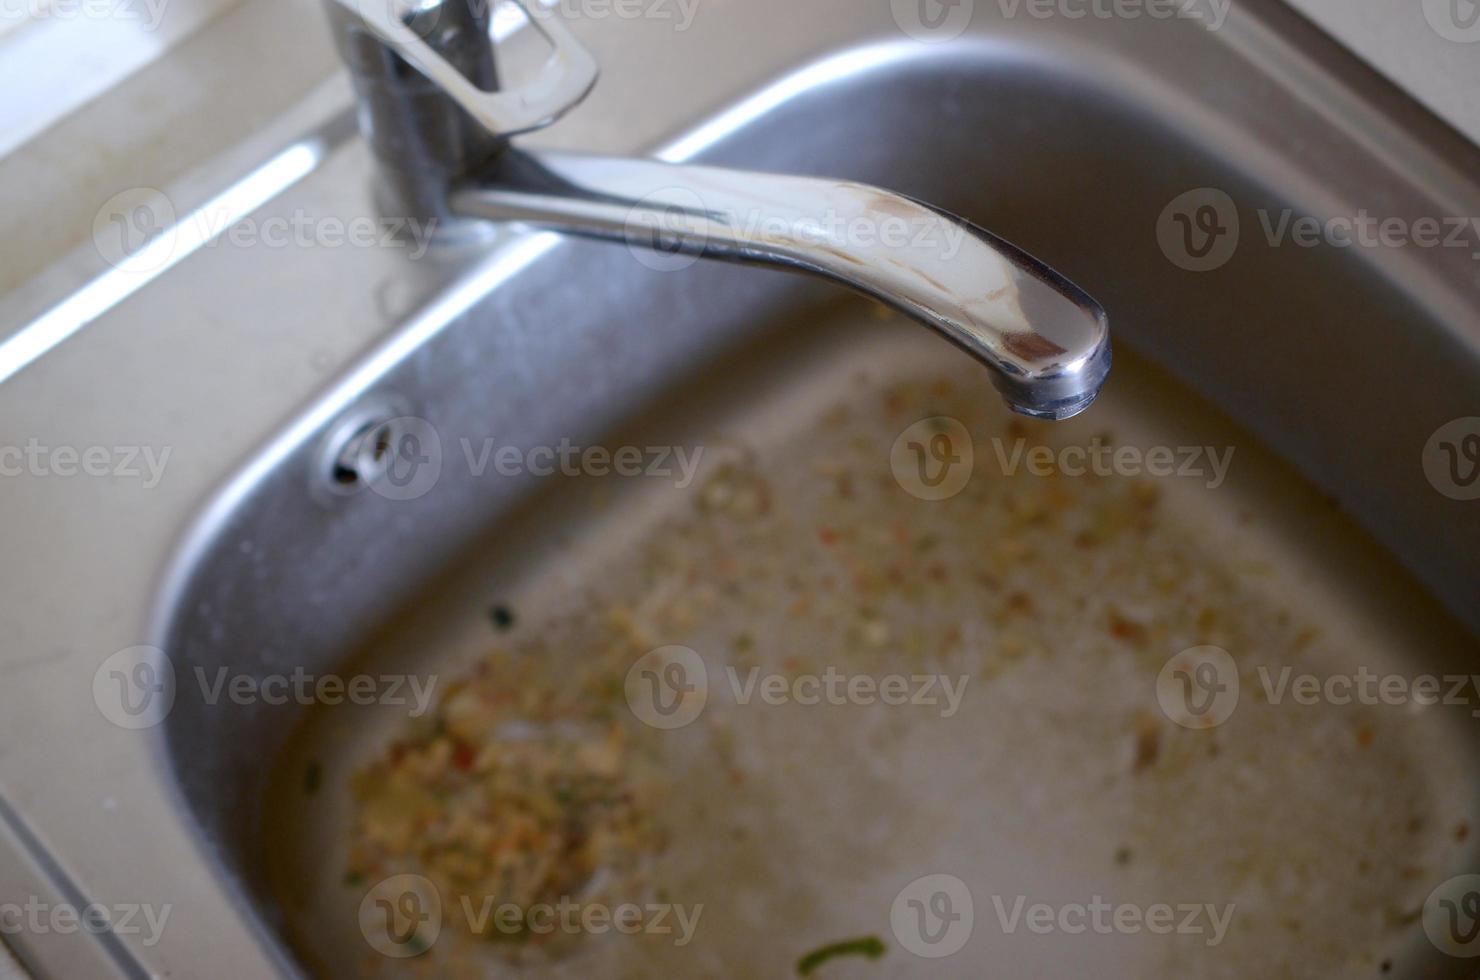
(1422, 45)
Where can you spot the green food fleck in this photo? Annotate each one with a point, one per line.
(313, 774)
(869, 946)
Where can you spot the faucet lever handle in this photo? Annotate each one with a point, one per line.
(564, 80)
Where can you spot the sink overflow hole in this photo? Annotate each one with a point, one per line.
(364, 456)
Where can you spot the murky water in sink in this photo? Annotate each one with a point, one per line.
(985, 670)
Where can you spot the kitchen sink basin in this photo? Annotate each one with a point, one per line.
(1324, 371)
(1031, 614)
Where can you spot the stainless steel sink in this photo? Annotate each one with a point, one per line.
(1329, 369)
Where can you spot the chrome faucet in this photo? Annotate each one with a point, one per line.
(440, 127)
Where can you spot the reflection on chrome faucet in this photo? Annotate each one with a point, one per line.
(442, 142)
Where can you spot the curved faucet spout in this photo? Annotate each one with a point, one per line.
(1046, 341)
(446, 151)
